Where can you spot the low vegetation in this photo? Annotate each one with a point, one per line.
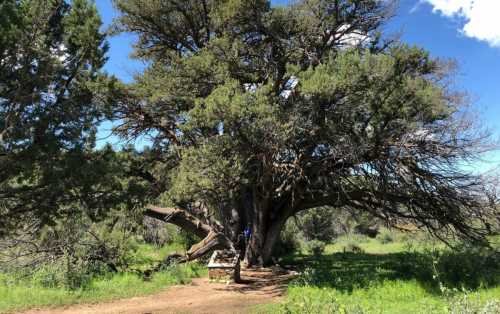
(409, 274)
(49, 286)
(394, 272)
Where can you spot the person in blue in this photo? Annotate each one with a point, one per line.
(247, 233)
(243, 239)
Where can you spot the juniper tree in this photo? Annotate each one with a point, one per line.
(51, 55)
(256, 113)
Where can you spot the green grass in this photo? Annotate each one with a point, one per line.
(398, 276)
(403, 275)
(18, 293)
(401, 242)
(147, 256)
(392, 296)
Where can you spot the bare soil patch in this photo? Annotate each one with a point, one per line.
(258, 286)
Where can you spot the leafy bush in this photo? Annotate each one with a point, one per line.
(316, 247)
(291, 239)
(468, 268)
(318, 224)
(385, 236)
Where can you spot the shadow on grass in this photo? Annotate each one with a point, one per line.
(348, 271)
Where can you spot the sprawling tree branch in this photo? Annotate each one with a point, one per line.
(180, 218)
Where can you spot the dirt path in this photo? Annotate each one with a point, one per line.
(258, 287)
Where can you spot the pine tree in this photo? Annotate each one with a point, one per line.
(51, 55)
(257, 113)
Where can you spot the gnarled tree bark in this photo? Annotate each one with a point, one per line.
(211, 238)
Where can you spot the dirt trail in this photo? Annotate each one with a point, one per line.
(257, 287)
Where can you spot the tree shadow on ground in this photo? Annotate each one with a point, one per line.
(348, 271)
(267, 281)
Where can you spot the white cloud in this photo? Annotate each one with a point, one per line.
(481, 17)
(348, 39)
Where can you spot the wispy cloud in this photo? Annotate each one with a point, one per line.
(480, 16)
(415, 7)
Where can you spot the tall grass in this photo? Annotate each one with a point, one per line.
(391, 297)
(47, 286)
(393, 274)
(23, 293)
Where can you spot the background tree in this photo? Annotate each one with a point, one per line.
(51, 53)
(256, 113)
(320, 224)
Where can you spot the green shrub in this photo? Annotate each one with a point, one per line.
(385, 236)
(352, 247)
(316, 247)
(291, 240)
(468, 268)
(318, 224)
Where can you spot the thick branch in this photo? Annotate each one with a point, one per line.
(211, 239)
(180, 218)
(214, 240)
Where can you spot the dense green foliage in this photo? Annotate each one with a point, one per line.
(51, 53)
(257, 113)
(254, 114)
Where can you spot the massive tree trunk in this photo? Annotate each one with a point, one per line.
(265, 220)
(211, 238)
(265, 236)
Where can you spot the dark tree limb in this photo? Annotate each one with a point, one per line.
(180, 218)
(211, 239)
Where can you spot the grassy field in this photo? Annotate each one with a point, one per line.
(392, 276)
(393, 273)
(18, 292)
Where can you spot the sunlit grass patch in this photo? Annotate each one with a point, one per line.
(392, 275)
(23, 293)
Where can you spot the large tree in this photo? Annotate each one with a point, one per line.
(255, 113)
(51, 55)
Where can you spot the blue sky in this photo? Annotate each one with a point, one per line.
(465, 30)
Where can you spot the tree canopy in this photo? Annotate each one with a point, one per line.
(261, 112)
(51, 54)
(254, 113)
